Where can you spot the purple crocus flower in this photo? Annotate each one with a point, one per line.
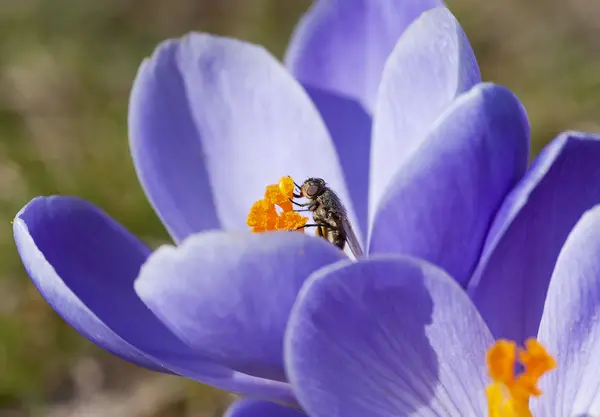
(396, 336)
(213, 121)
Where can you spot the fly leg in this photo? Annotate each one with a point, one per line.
(301, 204)
(297, 186)
(321, 228)
(310, 206)
(314, 225)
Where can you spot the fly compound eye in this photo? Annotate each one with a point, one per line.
(312, 190)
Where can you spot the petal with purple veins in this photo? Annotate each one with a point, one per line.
(431, 65)
(529, 232)
(338, 52)
(341, 46)
(84, 264)
(228, 295)
(212, 121)
(441, 202)
(386, 337)
(570, 325)
(350, 128)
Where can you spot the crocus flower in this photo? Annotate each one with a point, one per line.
(396, 336)
(213, 121)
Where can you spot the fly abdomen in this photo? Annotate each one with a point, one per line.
(336, 236)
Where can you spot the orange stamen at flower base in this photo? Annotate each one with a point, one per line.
(264, 215)
(508, 395)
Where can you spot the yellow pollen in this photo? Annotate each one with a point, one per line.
(508, 395)
(286, 186)
(274, 196)
(264, 216)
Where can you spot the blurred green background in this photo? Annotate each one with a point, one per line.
(66, 67)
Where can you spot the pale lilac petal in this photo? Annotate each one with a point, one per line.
(338, 52)
(85, 264)
(570, 325)
(529, 232)
(212, 121)
(441, 202)
(386, 337)
(350, 128)
(341, 46)
(228, 295)
(430, 66)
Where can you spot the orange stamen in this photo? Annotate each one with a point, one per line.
(508, 395)
(264, 216)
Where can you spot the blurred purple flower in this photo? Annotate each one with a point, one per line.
(397, 336)
(424, 163)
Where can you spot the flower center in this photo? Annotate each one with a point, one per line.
(508, 395)
(264, 214)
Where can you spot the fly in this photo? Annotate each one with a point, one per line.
(329, 214)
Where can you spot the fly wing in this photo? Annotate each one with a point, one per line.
(351, 238)
(350, 235)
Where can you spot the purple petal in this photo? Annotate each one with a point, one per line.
(257, 408)
(85, 264)
(341, 46)
(386, 337)
(442, 201)
(529, 231)
(212, 121)
(350, 128)
(228, 296)
(570, 325)
(430, 66)
(338, 52)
